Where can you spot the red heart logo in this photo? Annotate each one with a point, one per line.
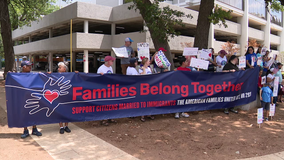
(210, 54)
(50, 96)
(142, 57)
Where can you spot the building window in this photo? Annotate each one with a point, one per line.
(276, 17)
(257, 8)
(238, 4)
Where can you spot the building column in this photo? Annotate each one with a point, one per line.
(33, 58)
(211, 39)
(50, 62)
(266, 30)
(243, 38)
(281, 34)
(30, 39)
(112, 53)
(120, 2)
(86, 61)
(50, 31)
(86, 26)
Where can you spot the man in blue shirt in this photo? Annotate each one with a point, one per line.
(124, 61)
(266, 98)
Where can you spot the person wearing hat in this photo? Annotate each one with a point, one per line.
(62, 67)
(251, 58)
(221, 60)
(106, 67)
(26, 68)
(124, 61)
(231, 66)
(156, 68)
(131, 70)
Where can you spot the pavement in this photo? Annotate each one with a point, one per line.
(79, 144)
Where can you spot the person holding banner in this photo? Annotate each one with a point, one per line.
(144, 70)
(231, 66)
(131, 70)
(124, 61)
(251, 58)
(62, 67)
(26, 68)
(259, 85)
(183, 67)
(107, 69)
(221, 60)
(266, 97)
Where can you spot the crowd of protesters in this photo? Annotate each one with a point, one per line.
(220, 63)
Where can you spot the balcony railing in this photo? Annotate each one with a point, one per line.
(257, 8)
(238, 4)
(276, 17)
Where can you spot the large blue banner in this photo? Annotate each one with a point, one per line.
(39, 98)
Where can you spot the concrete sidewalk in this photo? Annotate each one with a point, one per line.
(79, 145)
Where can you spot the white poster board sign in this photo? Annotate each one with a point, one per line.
(272, 110)
(259, 61)
(190, 51)
(253, 59)
(263, 80)
(143, 51)
(263, 51)
(275, 87)
(161, 60)
(270, 62)
(199, 63)
(242, 62)
(259, 115)
(205, 54)
(120, 52)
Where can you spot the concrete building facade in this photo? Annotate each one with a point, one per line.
(98, 26)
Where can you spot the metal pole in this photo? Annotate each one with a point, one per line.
(71, 65)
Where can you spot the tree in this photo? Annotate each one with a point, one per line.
(14, 14)
(206, 16)
(160, 22)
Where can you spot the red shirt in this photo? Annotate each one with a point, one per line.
(259, 82)
(183, 69)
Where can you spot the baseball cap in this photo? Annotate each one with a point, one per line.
(133, 60)
(278, 64)
(128, 39)
(26, 63)
(109, 58)
(162, 49)
(223, 52)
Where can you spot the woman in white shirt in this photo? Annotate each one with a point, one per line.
(221, 60)
(131, 70)
(145, 69)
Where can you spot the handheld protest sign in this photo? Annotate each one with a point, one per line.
(259, 116)
(263, 51)
(190, 51)
(198, 63)
(120, 52)
(205, 54)
(272, 110)
(275, 86)
(263, 80)
(161, 60)
(143, 51)
(242, 62)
